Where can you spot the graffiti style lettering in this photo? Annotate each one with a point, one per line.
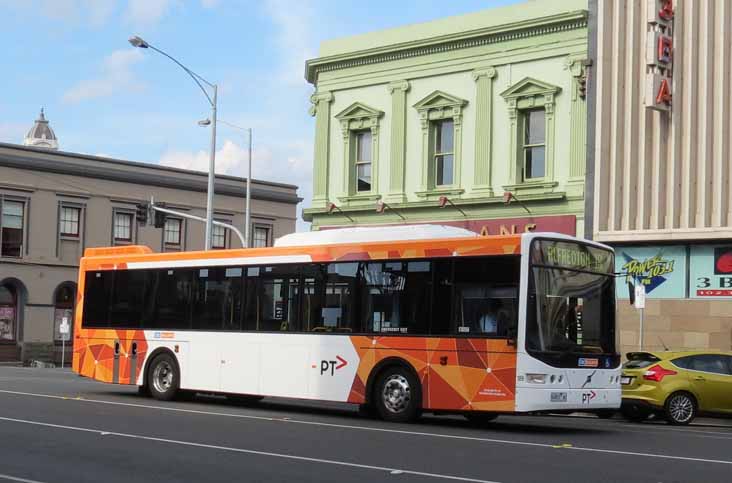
(647, 269)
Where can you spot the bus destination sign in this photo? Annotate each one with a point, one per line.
(575, 256)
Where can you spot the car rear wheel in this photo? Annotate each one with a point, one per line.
(680, 408)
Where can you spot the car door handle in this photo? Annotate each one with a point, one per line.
(699, 378)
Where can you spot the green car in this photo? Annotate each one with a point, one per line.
(676, 385)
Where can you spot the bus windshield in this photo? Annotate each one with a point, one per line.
(571, 303)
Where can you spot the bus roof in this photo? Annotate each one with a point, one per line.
(134, 257)
(369, 234)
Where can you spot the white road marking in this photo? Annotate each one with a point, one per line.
(15, 478)
(372, 429)
(245, 451)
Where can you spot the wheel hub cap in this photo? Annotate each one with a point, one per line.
(396, 394)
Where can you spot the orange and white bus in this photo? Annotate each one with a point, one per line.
(399, 319)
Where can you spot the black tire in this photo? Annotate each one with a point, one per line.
(680, 408)
(163, 377)
(605, 413)
(635, 414)
(397, 395)
(481, 419)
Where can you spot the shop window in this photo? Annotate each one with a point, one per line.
(8, 313)
(68, 223)
(12, 224)
(63, 309)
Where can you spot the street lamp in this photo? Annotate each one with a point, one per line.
(140, 43)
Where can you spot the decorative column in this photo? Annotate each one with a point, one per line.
(398, 148)
(483, 131)
(321, 158)
(577, 129)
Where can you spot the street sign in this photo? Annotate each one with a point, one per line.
(64, 328)
(640, 296)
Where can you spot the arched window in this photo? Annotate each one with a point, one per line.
(8, 313)
(63, 308)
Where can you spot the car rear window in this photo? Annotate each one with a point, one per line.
(639, 360)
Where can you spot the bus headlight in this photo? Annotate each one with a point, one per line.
(536, 378)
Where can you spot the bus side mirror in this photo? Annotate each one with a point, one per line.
(631, 293)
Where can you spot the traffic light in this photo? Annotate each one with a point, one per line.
(159, 216)
(141, 210)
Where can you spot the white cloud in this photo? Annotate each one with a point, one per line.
(293, 23)
(147, 12)
(289, 163)
(115, 76)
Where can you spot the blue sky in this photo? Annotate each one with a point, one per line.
(104, 97)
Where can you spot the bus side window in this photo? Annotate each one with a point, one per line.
(486, 295)
(128, 298)
(278, 298)
(328, 298)
(170, 297)
(217, 299)
(442, 297)
(395, 297)
(97, 298)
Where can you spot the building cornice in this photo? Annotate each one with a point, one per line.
(148, 175)
(445, 43)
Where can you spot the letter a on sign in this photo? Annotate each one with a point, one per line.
(664, 93)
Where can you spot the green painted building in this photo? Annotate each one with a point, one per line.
(435, 122)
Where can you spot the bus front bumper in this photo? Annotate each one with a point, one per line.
(535, 399)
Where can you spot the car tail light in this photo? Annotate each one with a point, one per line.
(657, 373)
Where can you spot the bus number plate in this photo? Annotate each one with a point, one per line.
(559, 397)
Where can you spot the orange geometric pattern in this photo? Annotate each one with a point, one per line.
(94, 355)
(455, 373)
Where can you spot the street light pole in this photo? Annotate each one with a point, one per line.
(211, 174)
(142, 44)
(248, 216)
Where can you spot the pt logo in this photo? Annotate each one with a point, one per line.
(588, 396)
(331, 365)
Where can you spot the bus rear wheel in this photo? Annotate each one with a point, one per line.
(163, 378)
(397, 395)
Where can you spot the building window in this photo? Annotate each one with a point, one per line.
(441, 120)
(8, 310)
(360, 131)
(172, 231)
(443, 134)
(531, 113)
(68, 223)
(123, 227)
(63, 309)
(11, 228)
(363, 161)
(534, 144)
(260, 236)
(218, 237)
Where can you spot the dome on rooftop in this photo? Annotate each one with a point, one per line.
(41, 135)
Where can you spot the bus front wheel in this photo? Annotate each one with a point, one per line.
(163, 378)
(397, 395)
